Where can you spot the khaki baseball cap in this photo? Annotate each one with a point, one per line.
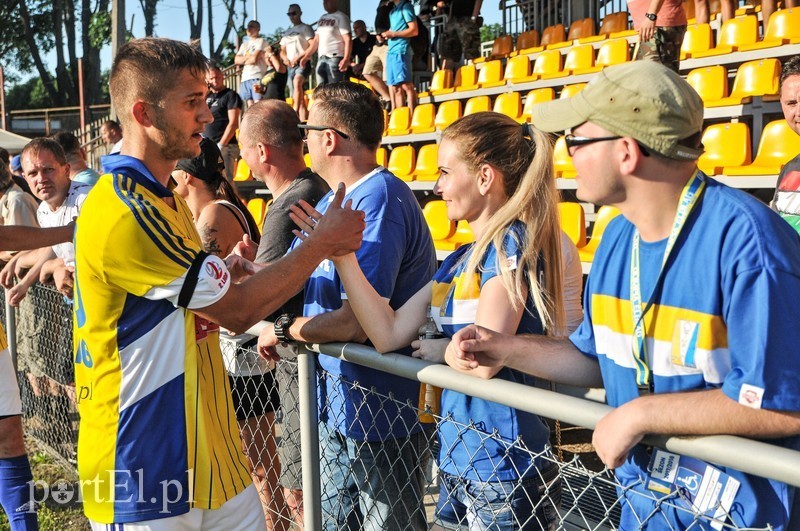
(642, 100)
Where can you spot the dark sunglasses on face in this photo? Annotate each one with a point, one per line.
(304, 128)
(573, 141)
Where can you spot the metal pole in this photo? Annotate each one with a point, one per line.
(255, 9)
(81, 101)
(11, 332)
(2, 99)
(309, 440)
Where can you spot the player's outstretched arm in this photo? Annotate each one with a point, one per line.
(20, 238)
(339, 231)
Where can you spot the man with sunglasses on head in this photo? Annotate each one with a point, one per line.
(685, 318)
(373, 451)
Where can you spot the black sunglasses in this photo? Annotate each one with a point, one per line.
(304, 128)
(292, 13)
(576, 141)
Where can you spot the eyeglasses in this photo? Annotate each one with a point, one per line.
(304, 128)
(573, 141)
(292, 13)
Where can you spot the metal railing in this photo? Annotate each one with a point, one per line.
(561, 486)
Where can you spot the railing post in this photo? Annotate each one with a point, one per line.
(309, 439)
(11, 331)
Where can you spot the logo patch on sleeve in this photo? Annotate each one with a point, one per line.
(751, 396)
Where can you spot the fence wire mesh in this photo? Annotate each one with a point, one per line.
(392, 480)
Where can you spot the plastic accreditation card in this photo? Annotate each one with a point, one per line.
(707, 489)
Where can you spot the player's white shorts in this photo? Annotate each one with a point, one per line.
(10, 403)
(243, 512)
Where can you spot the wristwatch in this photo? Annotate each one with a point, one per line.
(651, 16)
(281, 327)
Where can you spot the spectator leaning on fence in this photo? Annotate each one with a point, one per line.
(373, 450)
(293, 43)
(15, 470)
(787, 192)
(695, 259)
(158, 443)
(334, 43)
(272, 146)
(17, 207)
(497, 175)
(250, 57)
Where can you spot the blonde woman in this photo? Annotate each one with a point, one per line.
(497, 175)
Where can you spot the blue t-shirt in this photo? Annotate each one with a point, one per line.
(721, 321)
(87, 176)
(398, 258)
(466, 452)
(399, 17)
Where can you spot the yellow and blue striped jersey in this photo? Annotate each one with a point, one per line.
(158, 434)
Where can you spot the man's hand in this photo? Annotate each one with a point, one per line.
(267, 341)
(430, 349)
(344, 64)
(303, 60)
(63, 277)
(616, 434)
(475, 346)
(240, 268)
(247, 248)
(647, 29)
(7, 275)
(340, 229)
(16, 294)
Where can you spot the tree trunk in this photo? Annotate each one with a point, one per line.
(62, 75)
(149, 11)
(195, 23)
(71, 24)
(231, 6)
(30, 40)
(210, 30)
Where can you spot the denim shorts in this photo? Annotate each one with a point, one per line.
(328, 70)
(298, 70)
(526, 504)
(246, 90)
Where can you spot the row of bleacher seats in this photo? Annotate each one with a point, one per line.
(741, 34)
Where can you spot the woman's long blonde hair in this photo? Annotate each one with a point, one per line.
(524, 157)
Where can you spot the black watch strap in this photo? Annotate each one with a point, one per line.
(281, 327)
(651, 16)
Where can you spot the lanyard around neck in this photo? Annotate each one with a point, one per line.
(689, 197)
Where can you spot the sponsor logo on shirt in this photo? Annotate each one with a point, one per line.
(751, 396)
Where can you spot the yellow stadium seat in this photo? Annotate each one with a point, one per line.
(578, 57)
(735, 33)
(427, 168)
(380, 156)
(242, 171)
(777, 146)
(783, 28)
(290, 101)
(399, 122)
(435, 213)
(526, 40)
(753, 78)
(422, 120)
(447, 113)
(725, 145)
(518, 70)
(710, 82)
(466, 78)
(477, 104)
(491, 75)
(307, 159)
(562, 162)
(547, 62)
(577, 30)
(463, 234)
(570, 90)
(573, 222)
(441, 83)
(613, 52)
(697, 39)
(257, 207)
(604, 217)
(401, 162)
(501, 47)
(510, 104)
(536, 96)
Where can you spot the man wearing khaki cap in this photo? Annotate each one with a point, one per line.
(709, 348)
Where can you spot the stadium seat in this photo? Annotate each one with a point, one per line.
(491, 75)
(525, 41)
(615, 51)
(422, 120)
(477, 104)
(735, 33)
(570, 90)
(783, 28)
(466, 78)
(510, 104)
(573, 222)
(688, 8)
(612, 23)
(754, 78)
(535, 96)
(427, 168)
(551, 35)
(307, 160)
(604, 216)
(518, 70)
(380, 156)
(257, 207)
(725, 145)
(447, 113)
(619, 28)
(562, 162)
(710, 82)
(385, 122)
(547, 62)
(501, 47)
(402, 162)
(441, 83)
(578, 57)
(242, 171)
(399, 122)
(697, 39)
(462, 236)
(435, 213)
(577, 30)
(777, 146)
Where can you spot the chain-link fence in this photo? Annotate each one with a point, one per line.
(383, 462)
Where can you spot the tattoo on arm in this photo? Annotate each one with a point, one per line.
(210, 245)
